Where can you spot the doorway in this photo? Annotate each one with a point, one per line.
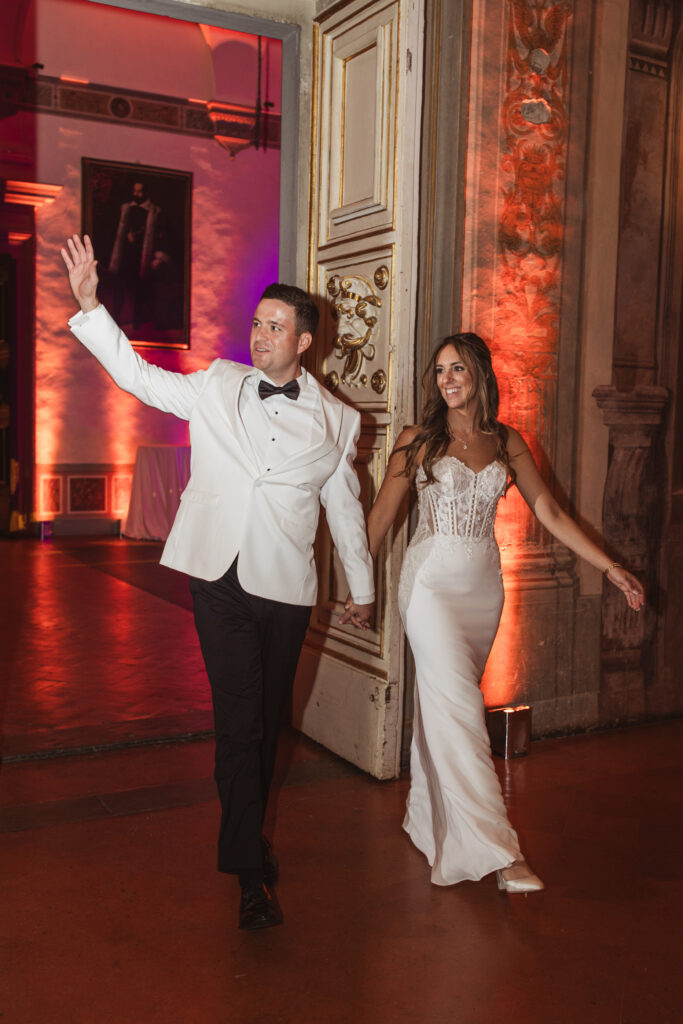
(292, 248)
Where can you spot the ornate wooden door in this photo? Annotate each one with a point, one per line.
(362, 265)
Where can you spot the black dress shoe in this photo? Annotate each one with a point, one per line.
(271, 867)
(257, 909)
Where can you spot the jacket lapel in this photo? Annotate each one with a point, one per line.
(331, 410)
(232, 388)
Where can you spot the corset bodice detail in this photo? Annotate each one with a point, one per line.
(461, 503)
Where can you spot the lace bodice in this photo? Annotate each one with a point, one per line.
(461, 503)
(457, 511)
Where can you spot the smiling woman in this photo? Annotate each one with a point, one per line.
(461, 381)
(462, 460)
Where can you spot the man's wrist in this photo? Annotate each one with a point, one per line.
(89, 305)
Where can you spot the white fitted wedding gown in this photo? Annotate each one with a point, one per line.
(450, 598)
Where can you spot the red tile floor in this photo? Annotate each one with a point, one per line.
(100, 646)
(112, 910)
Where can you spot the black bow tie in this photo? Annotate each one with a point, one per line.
(291, 389)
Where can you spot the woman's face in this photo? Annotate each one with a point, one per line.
(454, 378)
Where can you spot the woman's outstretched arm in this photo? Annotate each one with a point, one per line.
(392, 492)
(546, 509)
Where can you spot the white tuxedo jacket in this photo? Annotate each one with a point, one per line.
(229, 505)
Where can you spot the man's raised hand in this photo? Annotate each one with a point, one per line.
(82, 266)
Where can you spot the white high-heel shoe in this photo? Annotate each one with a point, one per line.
(518, 878)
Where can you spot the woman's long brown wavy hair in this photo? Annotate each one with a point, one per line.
(434, 434)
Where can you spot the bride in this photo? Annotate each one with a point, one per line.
(461, 460)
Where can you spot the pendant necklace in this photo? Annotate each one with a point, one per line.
(456, 437)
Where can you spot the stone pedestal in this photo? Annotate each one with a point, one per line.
(632, 529)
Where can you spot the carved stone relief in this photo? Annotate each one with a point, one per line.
(534, 125)
(632, 514)
(651, 34)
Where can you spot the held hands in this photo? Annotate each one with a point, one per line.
(360, 615)
(82, 266)
(628, 584)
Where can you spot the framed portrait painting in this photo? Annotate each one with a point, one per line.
(139, 220)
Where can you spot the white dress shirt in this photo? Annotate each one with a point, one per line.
(279, 427)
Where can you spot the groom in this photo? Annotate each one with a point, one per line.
(269, 446)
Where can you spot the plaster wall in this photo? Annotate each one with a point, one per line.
(80, 417)
(292, 11)
(295, 12)
(112, 46)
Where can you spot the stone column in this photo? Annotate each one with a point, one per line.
(632, 519)
(642, 192)
(522, 265)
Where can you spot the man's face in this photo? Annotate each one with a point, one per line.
(274, 344)
(138, 192)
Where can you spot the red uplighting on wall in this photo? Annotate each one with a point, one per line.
(86, 431)
(527, 282)
(30, 193)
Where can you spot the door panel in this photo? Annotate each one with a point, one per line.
(359, 93)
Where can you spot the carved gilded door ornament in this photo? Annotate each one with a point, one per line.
(378, 381)
(354, 302)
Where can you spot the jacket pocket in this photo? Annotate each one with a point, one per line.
(304, 527)
(199, 497)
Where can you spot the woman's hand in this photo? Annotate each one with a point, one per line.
(82, 266)
(359, 615)
(546, 509)
(630, 587)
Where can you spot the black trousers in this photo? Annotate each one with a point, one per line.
(251, 647)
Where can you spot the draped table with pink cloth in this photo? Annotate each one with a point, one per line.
(161, 474)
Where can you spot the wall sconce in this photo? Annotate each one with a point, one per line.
(233, 127)
(509, 730)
